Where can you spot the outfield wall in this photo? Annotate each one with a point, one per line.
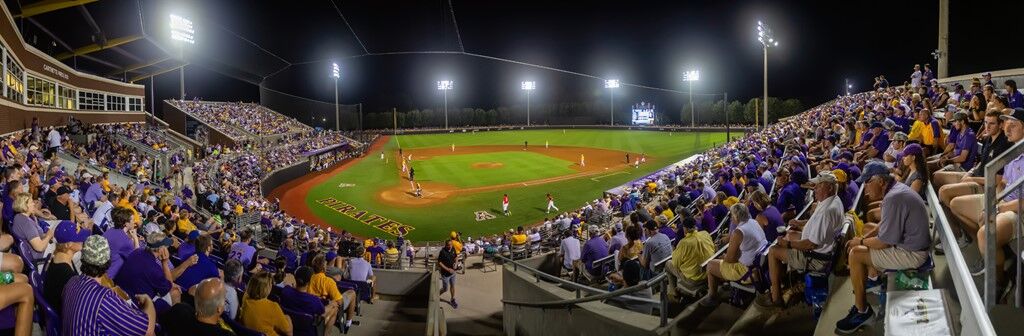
(284, 175)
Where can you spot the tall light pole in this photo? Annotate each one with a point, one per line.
(767, 39)
(183, 32)
(445, 86)
(690, 77)
(336, 73)
(528, 86)
(611, 84)
(848, 86)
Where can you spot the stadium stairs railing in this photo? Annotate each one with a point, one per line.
(992, 198)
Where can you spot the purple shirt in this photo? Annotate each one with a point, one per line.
(1013, 172)
(881, 143)
(120, 248)
(966, 142)
(243, 252)
(302, 302)
(595, 248)
(792, 197)
(91, 309)
(359, 269)
(774, 217)
(93, 193)
(142, 274)
(204, 269)
(24, 228)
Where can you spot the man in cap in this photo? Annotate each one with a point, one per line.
(963, 151)
(92, 309)
(901, 241)
(148, 271)
(657, 247)
(69, 237)
(594, 249)
(60, 206)
(210, 296)
(808, 245)
(892, 154)
(618, 238)
(986, 79)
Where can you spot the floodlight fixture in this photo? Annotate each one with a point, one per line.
(529, 85)
(182, 29)
(611, 83)
(692, 75)
(445, 85)
(335, 70)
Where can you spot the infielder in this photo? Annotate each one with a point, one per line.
(453, 147)
(382, 156)
(545, 144)
(582, 163)
(551, 204)
(504, 205)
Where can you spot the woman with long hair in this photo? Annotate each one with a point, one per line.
(915, 169)
(261, 314)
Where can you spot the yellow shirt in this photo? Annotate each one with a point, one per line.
(185, 226)
(264, 316)
(518, 239)
(123, 203)
(668, 214)
(916, 131)
(324, 287)
(105, 184)
(690, 252)
(457, 245)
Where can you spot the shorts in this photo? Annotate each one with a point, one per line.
(344, 302)
(733, 271)
(447, 280)
(952, 168)
(798, 261)
(897, 258)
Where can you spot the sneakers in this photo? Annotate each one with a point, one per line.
(455, 305)
(854, 320)
(874, 286)
(977, 267)
(708, 301)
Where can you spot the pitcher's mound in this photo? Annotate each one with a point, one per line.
(403, 196)
(487, 165)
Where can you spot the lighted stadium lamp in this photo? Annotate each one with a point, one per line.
(528, 86)
(611, 84)
(336, 73)
(182, 31)
(690, 77)
(445, 86)
(767, 40)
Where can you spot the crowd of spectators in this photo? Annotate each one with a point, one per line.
(237, 118)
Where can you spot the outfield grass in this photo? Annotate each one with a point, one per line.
(434, 222)
(457, 169)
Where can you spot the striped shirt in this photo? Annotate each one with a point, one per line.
(91, 309)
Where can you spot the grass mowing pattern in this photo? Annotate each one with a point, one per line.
(527, 203)
(515, 167)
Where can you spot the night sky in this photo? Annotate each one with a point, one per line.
(640, 42)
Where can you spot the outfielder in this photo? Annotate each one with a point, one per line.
(551, 204)
(504, 205)
(453, 147)
(545, 144)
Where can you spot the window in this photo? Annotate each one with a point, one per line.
(115, 103)
(13, 80)
(135, 104)
(66, 98)
(91, 101)
(41, 92)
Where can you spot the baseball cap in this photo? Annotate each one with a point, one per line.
(193, 235)
(876, 124)
(96, 250)
(900, 136)
(825, 176)
(1018, 115)
(840, 175)
(958, 116)
(888, 124)
(872, 169)
(69, 232)
(157, 240)
(987, 74)
(912, 149)
(63, 190)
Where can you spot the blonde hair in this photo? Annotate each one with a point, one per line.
(22, 203)
(259, 286)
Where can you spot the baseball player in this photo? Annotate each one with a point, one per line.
(636, 164)
(382, 156)
(419, 190)
(453, 147)
(504, 205)
(412, 174)
(551, 204)
(582, 163)
(526, 144)
(643, 158)
(404, 166)
(545, 144)
(627, 158)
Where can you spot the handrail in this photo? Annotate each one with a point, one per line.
(989, 200)
(972, 308)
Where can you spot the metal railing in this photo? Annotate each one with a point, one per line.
(991, 199)
(972, 308)
(660, 280)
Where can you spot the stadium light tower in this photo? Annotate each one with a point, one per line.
(848, 86)
(336, 73)
(528, 86)
(690, 77)
(767, 39)
(611, 84)
(445, 86)
(182, 32)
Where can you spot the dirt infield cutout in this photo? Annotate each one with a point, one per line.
(487, 165)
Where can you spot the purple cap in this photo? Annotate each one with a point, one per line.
(913, 149)
(69, 232)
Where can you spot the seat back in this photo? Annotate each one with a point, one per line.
(46, 315)
(362, 288)
(519, 251)
(239, 329)
(25, 250)
(304, 324)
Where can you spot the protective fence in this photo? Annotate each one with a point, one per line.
(311, 112)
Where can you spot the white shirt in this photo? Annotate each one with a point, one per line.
(821, 227)
(53, 138)
(101, 216)
(570, 251)
(915, 79)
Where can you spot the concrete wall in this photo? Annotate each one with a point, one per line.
(413, 283)
(590, 318)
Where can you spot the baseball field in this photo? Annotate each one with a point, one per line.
(462, 178)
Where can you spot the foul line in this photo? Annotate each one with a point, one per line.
(595, 179)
